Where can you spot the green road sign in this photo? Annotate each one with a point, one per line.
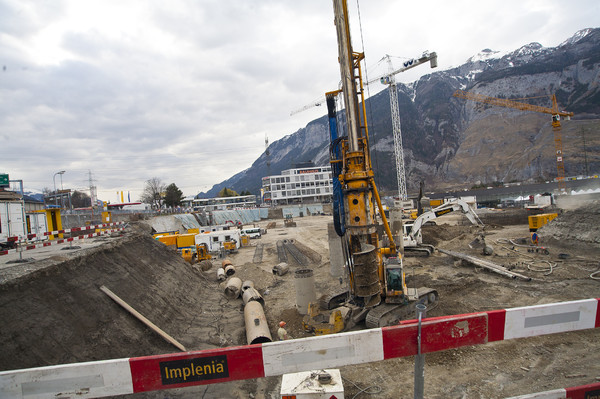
(4, 180)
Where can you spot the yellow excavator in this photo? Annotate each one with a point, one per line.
(377, 292)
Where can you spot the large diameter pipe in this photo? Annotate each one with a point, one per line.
(229, 270)
(205, 265)
(221, 274)
(247, 284)
(251, 294)
(257, 329)
(280, 269)
(304, 282)
(233, 287)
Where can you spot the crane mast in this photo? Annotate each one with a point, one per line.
(397, 132)
(390, 80)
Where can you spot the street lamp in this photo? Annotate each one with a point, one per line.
(54, 180)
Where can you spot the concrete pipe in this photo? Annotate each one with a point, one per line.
(233, 288)
(247, 284)
(226, 262)
(229, 270)
(251, 294)
(257, 329)
(221, 274)
(205, 265)
(304, 282)
(281, 269)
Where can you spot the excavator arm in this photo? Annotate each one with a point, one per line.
(456, 205)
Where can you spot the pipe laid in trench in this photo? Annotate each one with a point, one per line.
(485, 264)
(233, 287)
(251, 294)
(257, 329)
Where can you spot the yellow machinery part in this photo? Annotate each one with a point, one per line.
(537, 221)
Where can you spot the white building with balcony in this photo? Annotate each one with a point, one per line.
(306, 185)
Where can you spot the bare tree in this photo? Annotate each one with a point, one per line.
(153, 192)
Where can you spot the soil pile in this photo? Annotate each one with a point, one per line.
(580, 225)
(59, 315)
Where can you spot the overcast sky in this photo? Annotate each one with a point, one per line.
(186, 91)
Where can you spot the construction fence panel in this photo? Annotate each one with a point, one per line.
(152, 373)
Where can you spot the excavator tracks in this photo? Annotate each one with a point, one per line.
(387, 314)
(423, 250)
(332, 301)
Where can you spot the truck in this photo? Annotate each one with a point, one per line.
(412, 237)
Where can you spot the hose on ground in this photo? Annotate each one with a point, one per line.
(370, 390)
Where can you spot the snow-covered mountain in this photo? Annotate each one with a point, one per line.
(451, 142)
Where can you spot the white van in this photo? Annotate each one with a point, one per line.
(252, 232)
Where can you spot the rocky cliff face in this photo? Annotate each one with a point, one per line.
(454, 142)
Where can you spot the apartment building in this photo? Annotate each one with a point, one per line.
(305, 185)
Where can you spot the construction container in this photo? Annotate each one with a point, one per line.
(186, 240)
(537, 221)
(316, 384)
(436, 202)
(168, 240)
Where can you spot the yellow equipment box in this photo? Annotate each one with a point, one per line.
(186, 240)
(537, 221)
(436, 202)
(168, 239)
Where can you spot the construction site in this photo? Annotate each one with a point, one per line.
(56, 313)
(349, 298)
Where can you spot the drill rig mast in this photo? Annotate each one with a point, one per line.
(377, 286)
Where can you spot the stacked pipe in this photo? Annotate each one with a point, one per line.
(257, 328)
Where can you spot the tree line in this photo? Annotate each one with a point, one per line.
(157, 194)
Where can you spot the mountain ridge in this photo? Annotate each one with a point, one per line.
(450, 142)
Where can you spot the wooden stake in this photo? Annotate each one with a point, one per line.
(144, 320)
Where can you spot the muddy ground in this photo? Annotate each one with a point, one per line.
(55, 313)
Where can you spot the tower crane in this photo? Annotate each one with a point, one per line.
(390, 80)
(315, 103)
(556, 128)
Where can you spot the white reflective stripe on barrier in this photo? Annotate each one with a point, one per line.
(555, 394)
(550, 318)
(81, 380)
(327, 351)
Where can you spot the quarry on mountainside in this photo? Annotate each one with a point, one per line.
(56, 313)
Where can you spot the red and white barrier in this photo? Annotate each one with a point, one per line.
(58, 241)
(152, 373)
(51, 233)
(590, 391)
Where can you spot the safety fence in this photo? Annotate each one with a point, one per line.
(590, 391)
(24, 243)
(160, 372)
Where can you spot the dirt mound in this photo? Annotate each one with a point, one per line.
(437, 234)
(58, 314)
(580, 225)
